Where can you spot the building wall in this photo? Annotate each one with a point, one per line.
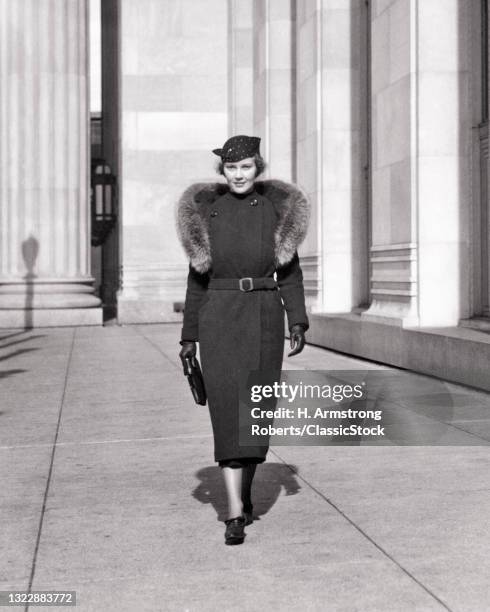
(367, 107)
(241, 67)
(274, 80)
(422, 219)
(289, 72)
(331, 151)
(421, 156)
(173, 110)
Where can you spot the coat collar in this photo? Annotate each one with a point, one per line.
(289, 201)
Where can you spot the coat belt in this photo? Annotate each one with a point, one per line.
(243, 284)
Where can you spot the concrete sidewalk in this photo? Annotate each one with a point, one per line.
(109, 488)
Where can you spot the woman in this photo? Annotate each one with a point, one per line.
(239, 235)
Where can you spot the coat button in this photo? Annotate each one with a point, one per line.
(214, 213)
(253, 202)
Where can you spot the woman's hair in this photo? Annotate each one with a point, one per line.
(259, 163)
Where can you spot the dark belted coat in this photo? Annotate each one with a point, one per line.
(232, 236)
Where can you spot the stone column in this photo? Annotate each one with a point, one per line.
(331, 149)
(307, 137)
(274, 73)
(393, 251)
(44, 178)
(421, 135)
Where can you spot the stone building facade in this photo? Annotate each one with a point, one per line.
(378, 109)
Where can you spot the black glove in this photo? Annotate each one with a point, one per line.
(297, 339)
(187, 351)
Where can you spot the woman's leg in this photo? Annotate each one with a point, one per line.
(247, 479)
(233, 484)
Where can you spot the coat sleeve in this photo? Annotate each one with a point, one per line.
(290, 282)
(197, 285)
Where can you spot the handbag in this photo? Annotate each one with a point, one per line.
(195, 380)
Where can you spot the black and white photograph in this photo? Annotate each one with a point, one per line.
(245, 305)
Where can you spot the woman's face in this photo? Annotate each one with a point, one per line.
(240, 175)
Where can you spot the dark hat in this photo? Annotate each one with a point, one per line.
(238, 147)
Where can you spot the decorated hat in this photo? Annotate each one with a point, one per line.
(238, 147)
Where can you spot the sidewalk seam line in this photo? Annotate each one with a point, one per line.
(115, 441)
(363, 533)
(50, 471)
(156, 347)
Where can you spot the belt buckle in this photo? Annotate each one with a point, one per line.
(250, 281)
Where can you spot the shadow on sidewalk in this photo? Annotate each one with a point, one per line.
(269, 481)
(20, 341)
(7, 373)
(16, 353)
(12, 335)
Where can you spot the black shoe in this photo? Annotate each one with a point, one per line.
(248, 513)
(235, 530)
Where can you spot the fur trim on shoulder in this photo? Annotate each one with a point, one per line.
(290, 202)
(192, 224)
(293, 211)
